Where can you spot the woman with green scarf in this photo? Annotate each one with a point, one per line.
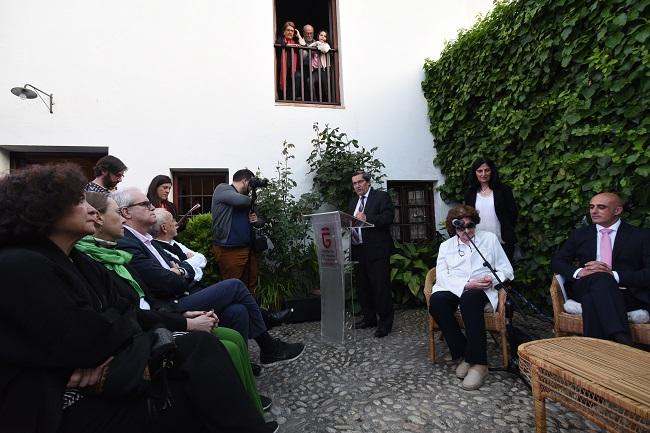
(102, 248)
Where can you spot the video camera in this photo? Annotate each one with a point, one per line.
(258, 182)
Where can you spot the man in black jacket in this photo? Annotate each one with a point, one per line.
(607, 269)
(372, 248)
(170, 280)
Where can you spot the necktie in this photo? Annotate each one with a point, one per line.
(606, 246)
(356, 232)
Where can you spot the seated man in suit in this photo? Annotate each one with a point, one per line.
(607, 269)
(164, 230)
(170, 280)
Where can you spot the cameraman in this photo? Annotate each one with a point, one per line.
(233, 236)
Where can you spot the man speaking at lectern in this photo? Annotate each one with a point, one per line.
(372, 247)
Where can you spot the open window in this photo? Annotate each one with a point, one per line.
(310, 73)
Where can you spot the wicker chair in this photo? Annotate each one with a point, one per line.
(571, 324)
(495, 323)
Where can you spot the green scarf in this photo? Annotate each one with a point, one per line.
(112, 258)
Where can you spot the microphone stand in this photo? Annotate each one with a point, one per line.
(487, 264)
(511, 304)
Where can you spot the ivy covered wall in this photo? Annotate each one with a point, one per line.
(557, 93)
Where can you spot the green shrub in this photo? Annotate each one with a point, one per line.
(332, 161)
(557, 93)
(197, 236)
(409, 267)
(285, 269)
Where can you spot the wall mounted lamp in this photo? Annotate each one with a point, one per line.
(25, 93)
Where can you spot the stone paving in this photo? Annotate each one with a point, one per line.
(389, 385)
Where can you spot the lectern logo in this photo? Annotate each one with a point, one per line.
(327, 238)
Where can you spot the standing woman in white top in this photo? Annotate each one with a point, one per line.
(494, 202)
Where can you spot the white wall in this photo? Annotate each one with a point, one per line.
(165, 83)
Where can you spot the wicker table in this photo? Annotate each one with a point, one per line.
(606, 382)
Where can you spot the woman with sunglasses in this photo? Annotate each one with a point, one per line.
(461, 279)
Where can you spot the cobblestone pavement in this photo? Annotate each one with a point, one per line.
(390, 385)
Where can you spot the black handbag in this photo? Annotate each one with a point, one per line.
(132, 369)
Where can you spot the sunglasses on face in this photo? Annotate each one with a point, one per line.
(467, 226)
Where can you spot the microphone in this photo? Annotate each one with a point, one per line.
(458, 223)
(195, 207)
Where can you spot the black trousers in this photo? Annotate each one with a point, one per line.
(442, 307)
(374, 288)
(604, 305)
(207, 392)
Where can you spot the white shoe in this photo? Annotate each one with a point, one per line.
(461, 369)
(475, 377)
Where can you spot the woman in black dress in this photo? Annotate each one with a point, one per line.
(60, 335)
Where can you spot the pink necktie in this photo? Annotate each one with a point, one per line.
(606, 246)
(356, 232)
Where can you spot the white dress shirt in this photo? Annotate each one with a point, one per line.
(197, 261)
(356, 209)
(146, 240)
(458, 263)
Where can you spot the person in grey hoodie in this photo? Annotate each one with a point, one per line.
(232, 233)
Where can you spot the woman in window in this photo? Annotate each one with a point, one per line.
(62, 335)
(320, 67)
(158, 194)
(494, 202)
(289, 76)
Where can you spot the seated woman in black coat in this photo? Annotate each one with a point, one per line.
(60, 336)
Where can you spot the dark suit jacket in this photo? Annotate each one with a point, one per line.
(162, 283)
(505, 208)
(379, 211)
(630, 257)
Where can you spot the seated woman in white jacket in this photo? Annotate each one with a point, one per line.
(462, 279)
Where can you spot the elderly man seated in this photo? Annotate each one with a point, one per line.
(169, 281)
(462, 279)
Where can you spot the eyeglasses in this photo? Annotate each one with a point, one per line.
(145, 204)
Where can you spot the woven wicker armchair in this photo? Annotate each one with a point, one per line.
(495, 322)
(571, 324)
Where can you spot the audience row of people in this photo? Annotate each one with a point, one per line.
(100, 291)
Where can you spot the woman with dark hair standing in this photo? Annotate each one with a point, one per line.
(61, 337)
(494, 202)
(158, 194)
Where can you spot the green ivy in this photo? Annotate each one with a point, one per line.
(556, 92)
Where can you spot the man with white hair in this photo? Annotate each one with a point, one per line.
(169, 282)
(164, 232)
